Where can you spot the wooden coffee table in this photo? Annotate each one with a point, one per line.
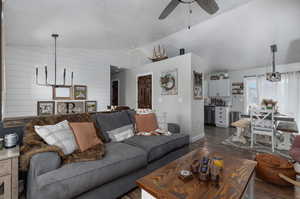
(235, 182)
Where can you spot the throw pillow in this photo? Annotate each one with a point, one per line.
(122, 133)
(85, 134)
(162, 121)
(146, 122)
(59, 135)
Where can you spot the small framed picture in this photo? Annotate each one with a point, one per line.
(62, 92)
(90, 106)
(70, 107)
(80, 92)
(45, 108)
(198, 85)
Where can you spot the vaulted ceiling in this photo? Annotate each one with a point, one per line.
(101, 24)
(241, 38)
(237, 37)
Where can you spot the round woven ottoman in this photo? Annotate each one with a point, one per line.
(269, 166)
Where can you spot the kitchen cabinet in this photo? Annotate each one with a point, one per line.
(219, 88)
(222, 116)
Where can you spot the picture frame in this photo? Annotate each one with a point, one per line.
(169, 82)
(197, 85)
(70, 107)
(80, 92)
(62, 92)
(90, 106)
(45, 108)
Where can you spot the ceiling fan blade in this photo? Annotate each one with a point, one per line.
(210, 6)
(171, 6)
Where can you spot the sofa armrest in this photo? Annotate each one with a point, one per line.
(44, 162)
(173, 128)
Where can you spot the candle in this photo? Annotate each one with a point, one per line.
(64, 76)
(46, 75)
(72, 76)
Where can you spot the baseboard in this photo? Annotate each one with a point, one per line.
(196, 138)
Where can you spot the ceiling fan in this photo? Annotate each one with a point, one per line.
(210, 6)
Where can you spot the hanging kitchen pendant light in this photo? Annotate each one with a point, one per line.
(273, 76)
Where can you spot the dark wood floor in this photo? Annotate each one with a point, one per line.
(213, 138)
(212, 141)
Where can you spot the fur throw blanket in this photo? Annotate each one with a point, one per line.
(34, 144)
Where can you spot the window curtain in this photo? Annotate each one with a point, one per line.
(286, 93)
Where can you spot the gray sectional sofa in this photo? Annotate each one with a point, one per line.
(110, 177)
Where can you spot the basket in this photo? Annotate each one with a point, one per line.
(269, 166)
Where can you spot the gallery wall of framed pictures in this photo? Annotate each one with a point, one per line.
(67, 100)
(45, 108)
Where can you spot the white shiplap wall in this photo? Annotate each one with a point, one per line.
(90, 67)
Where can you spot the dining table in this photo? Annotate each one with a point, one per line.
(286, 125)
(277, 117)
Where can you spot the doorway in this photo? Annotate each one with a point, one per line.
(115, 93)
(144, 87)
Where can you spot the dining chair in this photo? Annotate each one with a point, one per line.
(262, 123)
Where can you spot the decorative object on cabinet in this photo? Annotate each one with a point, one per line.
(9, 173)
(80, 92)
(219, 75)
(55, 36)
(237, 88)
(90, 106)
(159, 54)
(197, 85)
(70, 107)
(169, 82)
(45, 108)
(181, 51)
(62, 92)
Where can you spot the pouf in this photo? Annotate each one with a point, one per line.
(269, 166)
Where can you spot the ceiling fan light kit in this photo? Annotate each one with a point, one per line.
(210, 6)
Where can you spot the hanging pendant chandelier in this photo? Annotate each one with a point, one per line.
(273, 76)
(54, 84)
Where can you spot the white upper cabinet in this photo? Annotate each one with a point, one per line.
(219, 88)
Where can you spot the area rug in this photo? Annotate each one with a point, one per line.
(259, 147)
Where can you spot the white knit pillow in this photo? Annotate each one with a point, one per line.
(122, 133)
(59, 135)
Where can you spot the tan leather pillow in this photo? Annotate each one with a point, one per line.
(146, 122)
(85, 134)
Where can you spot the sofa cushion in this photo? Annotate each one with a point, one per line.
(110, 121)
(158, 146)
(74, 179)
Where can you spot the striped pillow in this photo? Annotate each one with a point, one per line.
(122, 133)
(59, 135)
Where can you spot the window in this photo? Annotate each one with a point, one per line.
(286, 93)
(251, 97)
